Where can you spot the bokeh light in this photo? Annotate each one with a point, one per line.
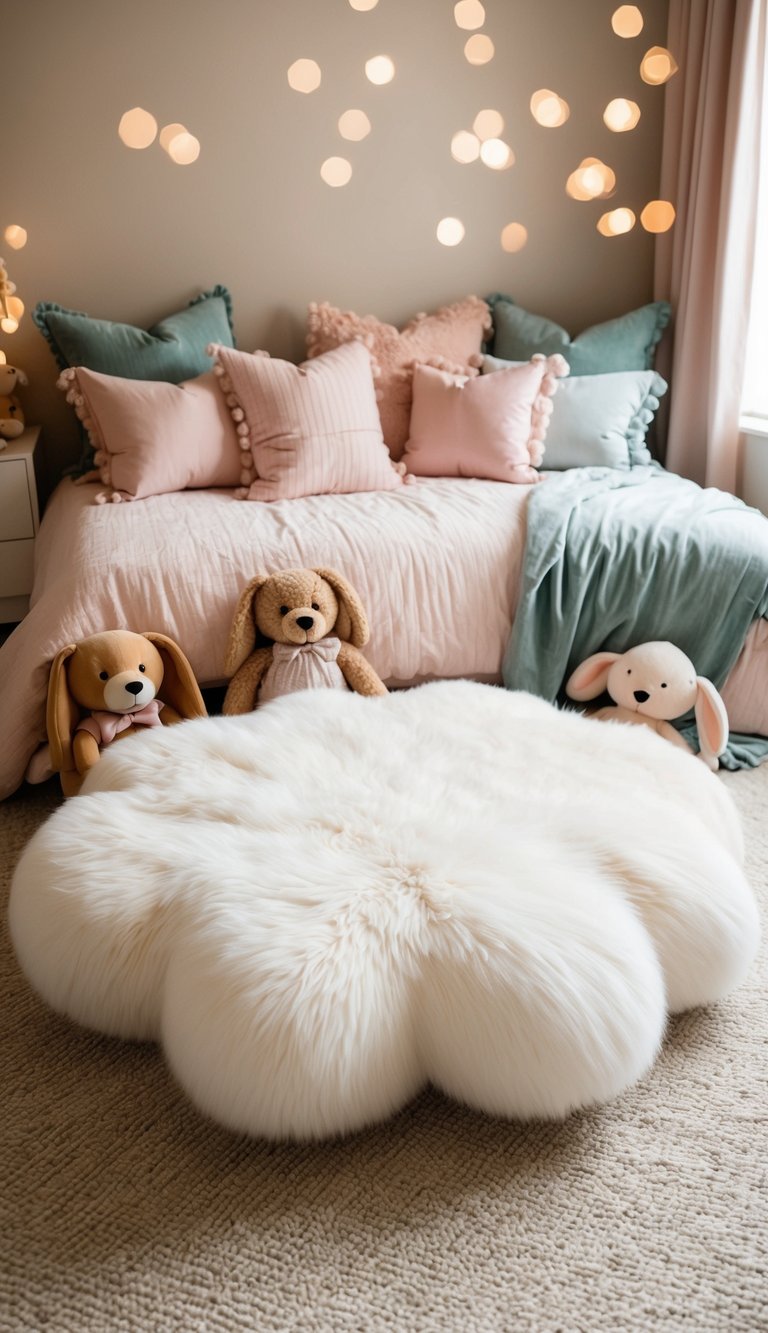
(657, 65)
(479, 49)
(627, 21)
(380, 69)
(363, 5)
(354, 125)
(304, 75)
(465, 147)
(336, 171)
(497, 154)
(8, 324)
(548, 109)
(169, 132)
(16, 236)
(488, 124)
(137, 128)
(15, 307)
(469, 14)
(592, 179)
(658, 215)
(621, 115)
(513, 237)
(184, 149)
(617, 222)
(450, 231)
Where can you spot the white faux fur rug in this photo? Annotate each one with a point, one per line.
(321, 907)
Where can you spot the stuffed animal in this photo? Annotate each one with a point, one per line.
(11, 414)
(106, 687)
(654, 683)
(297, 630)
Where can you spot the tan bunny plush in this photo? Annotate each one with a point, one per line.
(295, 630)
(104, 688)
(654, 683)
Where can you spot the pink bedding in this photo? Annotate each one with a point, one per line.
(437, 564)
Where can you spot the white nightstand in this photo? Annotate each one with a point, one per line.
(19, 521)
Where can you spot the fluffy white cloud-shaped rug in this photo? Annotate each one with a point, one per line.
(320, 906)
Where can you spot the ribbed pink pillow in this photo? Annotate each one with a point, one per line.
(460, 429)
(448, 340)
(312, 428)
(151, 437)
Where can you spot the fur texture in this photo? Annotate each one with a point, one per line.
(454, 883)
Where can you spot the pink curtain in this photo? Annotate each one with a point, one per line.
(704, 264)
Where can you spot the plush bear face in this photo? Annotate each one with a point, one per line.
(297, 606)
(655, 679)
(117, 672)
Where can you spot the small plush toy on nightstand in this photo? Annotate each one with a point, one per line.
(297, 630)
(653, 684)
(11, 413)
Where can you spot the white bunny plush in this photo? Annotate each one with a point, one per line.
(654, 683)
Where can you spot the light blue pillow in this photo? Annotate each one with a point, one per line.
(625, 343)
(598, 420)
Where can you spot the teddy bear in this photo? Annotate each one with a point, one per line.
(654, 683)
(296, 630)
(104, 688)
(11, 414)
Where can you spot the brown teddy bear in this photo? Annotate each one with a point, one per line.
(297, 630)
(106, 687)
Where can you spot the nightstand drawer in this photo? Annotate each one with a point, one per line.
(16, 516)
(16, 563)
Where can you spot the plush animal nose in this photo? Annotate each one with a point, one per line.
(306, 622)
(641, 696)
(135, 686)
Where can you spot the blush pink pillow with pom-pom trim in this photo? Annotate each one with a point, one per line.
(313, 429)
(459, 429)
(151, 437)
(450, 340)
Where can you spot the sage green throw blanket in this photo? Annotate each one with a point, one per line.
(614, 559)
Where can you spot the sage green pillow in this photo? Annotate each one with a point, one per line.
(625, 343)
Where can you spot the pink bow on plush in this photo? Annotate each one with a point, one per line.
(105, 726)
(326, 649)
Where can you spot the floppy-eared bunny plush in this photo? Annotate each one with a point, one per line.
(295, 630)
(106, 687)
(654, 683)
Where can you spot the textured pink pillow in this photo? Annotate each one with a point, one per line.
(312, 428)
(459, 429)
(446, 340)
(151, 437)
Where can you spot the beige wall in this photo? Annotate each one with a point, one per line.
(128, 235)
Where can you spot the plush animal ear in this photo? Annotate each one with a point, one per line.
(591, 678)
(351, 621)
(62, 713)
(711, 721)
(179, 689)
(21, 377)
(242, 635)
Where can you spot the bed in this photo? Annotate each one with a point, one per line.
(438, 563)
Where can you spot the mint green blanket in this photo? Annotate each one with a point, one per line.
(614, 559)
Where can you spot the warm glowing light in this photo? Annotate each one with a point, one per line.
(8, 324)
(450, 231)
(354, 125)
(168, 133)
(627, 21)
(465, 147)
(488, 124)
(137, 128)
(3, 358)
(592, 179)
(363, 5)
(184, 148)
(548, 109)
(657, 65)
(380, 69)
(469, 14)
(336, 171)
(513, 237)
(658, 215)
(479, 49)
(497, 154)
(15, 307)
(617, 222)
(621, 115)
(304, 75)
(15, 236)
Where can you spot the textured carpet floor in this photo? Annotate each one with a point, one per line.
(121, 1209)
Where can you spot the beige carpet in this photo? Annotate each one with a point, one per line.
(121, 1209)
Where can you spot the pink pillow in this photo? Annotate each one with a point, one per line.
(312, 428)
(446, 340)
(151, 437)
(459, 429)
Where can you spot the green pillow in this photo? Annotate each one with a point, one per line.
(173, 350)
(598, 420)
(626, 343)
